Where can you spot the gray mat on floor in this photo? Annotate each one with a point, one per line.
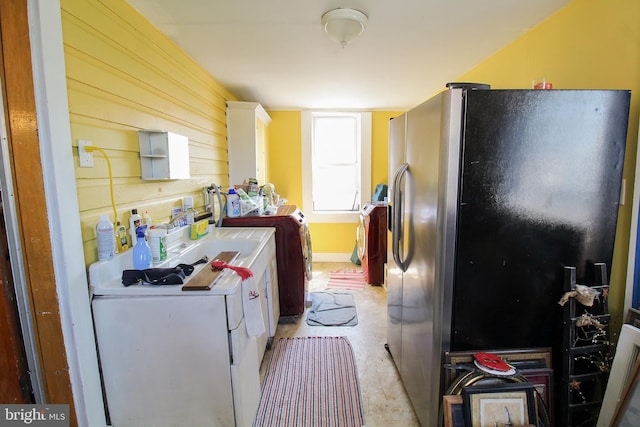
(332, 309)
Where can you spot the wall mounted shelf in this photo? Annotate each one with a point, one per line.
(163, 155)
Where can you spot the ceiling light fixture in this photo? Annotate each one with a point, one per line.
(343, 25)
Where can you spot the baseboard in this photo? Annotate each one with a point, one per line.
(331, 257)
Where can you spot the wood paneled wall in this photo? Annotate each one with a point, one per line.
(124, 75)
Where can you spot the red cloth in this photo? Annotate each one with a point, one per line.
(243, 272)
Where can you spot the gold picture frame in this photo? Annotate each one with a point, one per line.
(628, 407)
(452, 410)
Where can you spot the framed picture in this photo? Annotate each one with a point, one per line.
(542, 380)
(627, 351)
(627, 412)
(506, 404)
(452, 409)
(633, 317)
(522, 359)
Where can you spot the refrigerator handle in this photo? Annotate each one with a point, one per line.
(396, 225)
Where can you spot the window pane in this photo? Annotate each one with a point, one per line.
(336, 188)
(335, 140)
(335, 160)
(329, 192)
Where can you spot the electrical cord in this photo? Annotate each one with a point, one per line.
(91, 148)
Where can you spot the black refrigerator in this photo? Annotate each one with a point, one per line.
(492, 193)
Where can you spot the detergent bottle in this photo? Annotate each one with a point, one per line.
(233, 203)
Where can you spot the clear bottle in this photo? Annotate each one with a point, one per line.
(141, 251)
(106, 239)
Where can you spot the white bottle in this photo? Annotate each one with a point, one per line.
(187, 206)
(233, 203)
(147, 220)
(135, 221)
(106, 239)
(187, 203)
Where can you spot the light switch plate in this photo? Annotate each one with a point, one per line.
(86, 157)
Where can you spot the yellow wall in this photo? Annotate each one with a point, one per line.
(285, 155)
(124, 75)
(590, 44)
(286, 172)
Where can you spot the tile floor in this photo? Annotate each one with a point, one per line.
(384, 400)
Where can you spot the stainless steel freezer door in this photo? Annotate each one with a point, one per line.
(420, 351)
(394, 273)
(422, 216)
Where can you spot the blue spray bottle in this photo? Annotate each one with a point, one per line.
(141, 251)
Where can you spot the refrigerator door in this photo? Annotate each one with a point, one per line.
(541, 178)
(397, 128)
(433, 141)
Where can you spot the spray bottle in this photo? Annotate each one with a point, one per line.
(141, 251)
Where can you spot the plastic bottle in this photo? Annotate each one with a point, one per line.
(147, 220)
(187, 206)
(141, 251)
(233, 203)
(106, 239)
(135, 221)
(158, 243)
(121, 238)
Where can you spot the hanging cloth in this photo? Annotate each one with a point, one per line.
(250, 298)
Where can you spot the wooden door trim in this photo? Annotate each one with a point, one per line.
(16, 384)
(33, 224)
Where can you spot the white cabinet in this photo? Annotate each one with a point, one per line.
(163, 155)
(247, 124)
(175, 358)
(266, 271)
(165, 360)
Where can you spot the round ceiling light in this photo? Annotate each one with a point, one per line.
(343, 25)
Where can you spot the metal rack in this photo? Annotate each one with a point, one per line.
(587, 351)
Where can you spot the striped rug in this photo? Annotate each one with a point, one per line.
(347, 279)
(311, 382)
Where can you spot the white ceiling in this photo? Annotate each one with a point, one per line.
(275, 51)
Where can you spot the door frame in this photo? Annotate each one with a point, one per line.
(47, 218)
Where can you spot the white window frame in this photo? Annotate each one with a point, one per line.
(365, 169)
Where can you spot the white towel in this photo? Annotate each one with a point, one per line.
(252, 307)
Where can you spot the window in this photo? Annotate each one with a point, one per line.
(336, 162)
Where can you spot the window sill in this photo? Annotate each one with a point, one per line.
(323, 217)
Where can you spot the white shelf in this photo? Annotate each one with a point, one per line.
(163, 155)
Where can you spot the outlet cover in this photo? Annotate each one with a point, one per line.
(86, 157)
